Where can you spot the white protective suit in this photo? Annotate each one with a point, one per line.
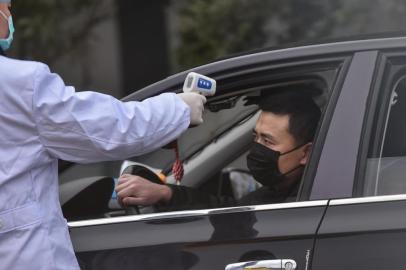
(42, 120)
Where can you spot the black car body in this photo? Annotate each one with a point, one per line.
(350, 211)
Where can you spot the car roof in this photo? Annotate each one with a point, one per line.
(322, 41)
(175, 82)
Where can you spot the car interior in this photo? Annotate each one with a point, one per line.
(213, 154)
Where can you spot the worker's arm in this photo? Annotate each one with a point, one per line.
(89, 126)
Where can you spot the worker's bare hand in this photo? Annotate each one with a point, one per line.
(135, 190)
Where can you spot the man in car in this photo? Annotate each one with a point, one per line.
(283, 137)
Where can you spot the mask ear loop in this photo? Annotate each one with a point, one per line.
(6, 42)
(8, 23)
(4, 15)
(297, 167)
(292, 170)
(297, 147)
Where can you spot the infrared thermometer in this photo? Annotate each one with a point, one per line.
(200, 84)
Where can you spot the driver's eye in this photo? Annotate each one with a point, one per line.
(268, 142)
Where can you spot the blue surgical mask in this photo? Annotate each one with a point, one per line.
(5, 43)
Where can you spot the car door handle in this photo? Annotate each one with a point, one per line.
(285, 264)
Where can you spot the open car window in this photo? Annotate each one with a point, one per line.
(214, 153)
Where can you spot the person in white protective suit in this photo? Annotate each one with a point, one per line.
(42, 120)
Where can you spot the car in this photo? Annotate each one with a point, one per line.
(349, 212)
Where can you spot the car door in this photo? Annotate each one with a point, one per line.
(282, 233)
(368, 231)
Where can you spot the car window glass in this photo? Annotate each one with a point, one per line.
(386, 164)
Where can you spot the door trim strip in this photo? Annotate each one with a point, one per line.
(372, 199)
(194, 213)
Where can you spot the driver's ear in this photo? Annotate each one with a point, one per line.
(307, 148)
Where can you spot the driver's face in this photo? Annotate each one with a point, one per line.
(272, 131)
(5, 8)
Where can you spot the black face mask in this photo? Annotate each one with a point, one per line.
(263, 164)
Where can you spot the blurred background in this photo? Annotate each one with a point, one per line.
(119, 46)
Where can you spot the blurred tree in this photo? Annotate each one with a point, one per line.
(202, 30)
(210, 29)
(49, 29)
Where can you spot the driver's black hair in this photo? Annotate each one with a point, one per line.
(304, 114)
